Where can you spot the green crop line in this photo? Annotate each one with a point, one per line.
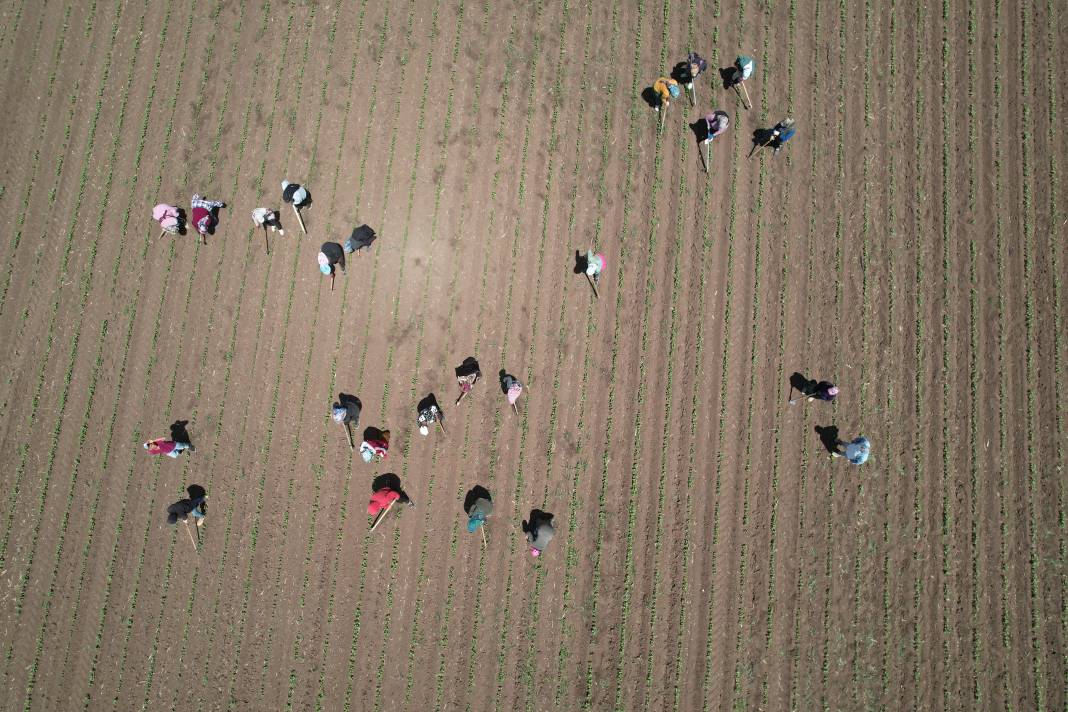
(362, 577)
(629, 163)
(804, 584)
(696, 406)
(178, 353)
(946, 516)
(20, 468)
(920, 358)
(581, 468)
(416, 635)
(1055, 266)
(42, 122)
(86, 285)
(91, 392)
(110, 568)
(650, 249)
(1038, 663)
(372, 292)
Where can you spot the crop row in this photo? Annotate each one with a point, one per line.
(91, 388)
(53, 451)
(164, 590)
(1055, 267)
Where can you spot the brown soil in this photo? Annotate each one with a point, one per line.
(907, 244)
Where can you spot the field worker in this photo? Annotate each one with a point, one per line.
(716, 123)
(360, 239)
(687, 72)
(477, 514)
(824, 391)
(383, 497)
(375, 445)
(203, 215)
(171, 448)
(168, 217)
(347, 410)
(467, 374)
(595, 264)
(856, 450)
(781, 133)
(429, 415)
(196, 506)
(331, 254)
(512, 388)
(743, 69)
(539, 531)
(267, 218)
(665, 89)
(294, 193)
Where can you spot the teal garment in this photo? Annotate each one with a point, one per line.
(481, 509)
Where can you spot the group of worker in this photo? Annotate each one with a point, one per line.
(684, 76)
(374, 445)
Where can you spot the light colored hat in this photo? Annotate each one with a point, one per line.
(423, 430)
(323, 259)
(146, 446)
(285, 184)
(325, 269)
(367, 455)
(833, 390)
(535, 552)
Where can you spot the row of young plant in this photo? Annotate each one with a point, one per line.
(85, 692)
(42, 122)
(978, 694)
(417, 635)
(187, 308)
(528, 672)
(947, 518)
(25, 206)
(524, 666)
(53, 451)
(1034, 487)
(190, 618)
(805, 580)
(1055, 266)
(743, 661)
(1001, 251)
(91, 388)
(920, 355)
(582, 466)
(780, 374)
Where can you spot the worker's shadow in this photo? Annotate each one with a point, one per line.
(474, 494)
(183, 226)
(372, 433)
(829, 437)
(428, 401)
(196, 492)
(700, 130)
(730, 76)
(650, 97)
(581, 263)
(799, 383)
(390, 480)
(681, 73)
(762, 137)
(179, 434)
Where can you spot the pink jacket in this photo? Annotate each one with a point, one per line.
(165, 215)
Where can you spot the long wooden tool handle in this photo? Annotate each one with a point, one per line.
(748, 100)
(348, 431)
(190, 533)
(300, 219)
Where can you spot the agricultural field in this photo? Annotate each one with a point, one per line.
(909, 244)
